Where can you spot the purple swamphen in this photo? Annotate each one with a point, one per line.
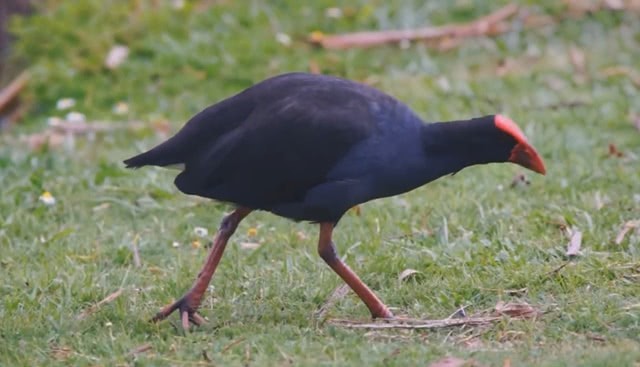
(309, 147)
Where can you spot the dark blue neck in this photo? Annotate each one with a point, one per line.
(452, 146)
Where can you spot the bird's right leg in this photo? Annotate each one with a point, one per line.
(327, 251)
(189, 303)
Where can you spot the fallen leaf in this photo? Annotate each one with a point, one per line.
(628, 226)
(249, 245)
(622, 70)
(141, 349)
(453, 362)
(596, 337)
(575, 242)
(516, 309)
(520, 180)
(59, 352)
(578, 61)
(302, 236)
(614, 152)
(407, 273)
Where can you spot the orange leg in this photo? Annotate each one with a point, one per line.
(327, 251)
(189, 303)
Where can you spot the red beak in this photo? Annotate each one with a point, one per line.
(526, 156)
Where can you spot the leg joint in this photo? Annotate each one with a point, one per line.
(328, 252)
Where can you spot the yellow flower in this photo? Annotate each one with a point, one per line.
(252, 232)
(316, 36)
(47, 199)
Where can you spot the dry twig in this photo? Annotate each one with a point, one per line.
(488, 25)
(11, 91)
(91, 310)
(335, 296)
(415, 323)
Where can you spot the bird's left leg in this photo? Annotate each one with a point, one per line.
(189, 303)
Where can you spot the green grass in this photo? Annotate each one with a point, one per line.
(471, 236)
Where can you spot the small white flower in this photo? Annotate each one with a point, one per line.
(47, 199)
(65, 103)
(121, 108)
(116, 56)
(54, 121)
(175, 244)
(201, 232)
(283, 39)
(75, 117)
(178, 4)
(108, 324)
(333, 13)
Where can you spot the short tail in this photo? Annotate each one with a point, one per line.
(158, 156)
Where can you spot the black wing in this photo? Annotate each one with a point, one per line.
(272, 143)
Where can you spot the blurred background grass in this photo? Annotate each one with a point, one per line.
(472, 237)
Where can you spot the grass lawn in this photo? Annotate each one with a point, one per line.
(472, 237)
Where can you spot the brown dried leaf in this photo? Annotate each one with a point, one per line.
(407, 273)
(578, 8)
(141, 349)
(614, 152)
(575, 242)
(628, 226)
(59, 352)
(622, 70)
(516, 310)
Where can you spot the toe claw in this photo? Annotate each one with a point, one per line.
(197, 319)
(185, 320)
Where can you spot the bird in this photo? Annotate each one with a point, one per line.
(309, 147)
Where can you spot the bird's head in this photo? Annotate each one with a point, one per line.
(520, 151)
